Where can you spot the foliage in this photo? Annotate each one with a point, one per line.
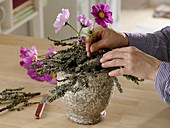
(73, 60)
(16, 99)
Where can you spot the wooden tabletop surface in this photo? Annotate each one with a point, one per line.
(138, 107)
(131, 19)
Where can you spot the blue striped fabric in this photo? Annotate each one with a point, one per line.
(156, 44)
(162, 82)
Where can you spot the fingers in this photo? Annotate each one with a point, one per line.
(114, 54)
(88, 42)
(94, 46)
(113, 63)
(117, 58)
(98, 32)
(118, 72)
(98, 45)
(127, 49)
(123, 53)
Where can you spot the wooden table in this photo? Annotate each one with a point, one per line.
(130, 19)
(138, 107)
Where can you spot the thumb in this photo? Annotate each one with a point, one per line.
(87, 43)
(98, 45)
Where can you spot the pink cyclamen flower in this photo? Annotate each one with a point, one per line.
(28, 56)
(102, 14)
(33, 74)
(51, 78)
(61, 19)
(85, 21)
(80, 42)
(51, 52)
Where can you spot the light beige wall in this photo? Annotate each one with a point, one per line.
(22, 30)
(50, 12)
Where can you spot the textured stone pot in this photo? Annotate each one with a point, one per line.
(88, 105)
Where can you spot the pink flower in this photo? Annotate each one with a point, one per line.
(80, 42)
(102, 14)
(51, 52)
(61, 19)
(51, 78)
(86, 22)
(33, 74)
(28, 56)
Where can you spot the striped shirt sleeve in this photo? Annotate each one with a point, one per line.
(156, 44)
(162, 82)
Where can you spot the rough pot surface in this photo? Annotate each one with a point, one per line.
(87, 106)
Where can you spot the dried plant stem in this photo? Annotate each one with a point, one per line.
(60, 43)
(16, 97)
(75, 62)
(71, 38)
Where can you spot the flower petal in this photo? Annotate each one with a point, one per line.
(61, 19)
(101, 22)
(102, 14)
(84, 21)
(94, 11)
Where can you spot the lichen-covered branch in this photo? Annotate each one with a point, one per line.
(16, 97)
(61, 42)
(75, 61)
(117, 84)
(133, 78)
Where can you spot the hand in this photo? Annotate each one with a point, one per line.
(108, 39)
(134, 61)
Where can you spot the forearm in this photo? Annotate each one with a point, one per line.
(162, 82)
(156, 44)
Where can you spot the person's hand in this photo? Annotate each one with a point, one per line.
(108, 39)
(133, 61)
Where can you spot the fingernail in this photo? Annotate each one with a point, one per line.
(88, 54)
(101, 60)
(91, 49)
(110, 73)
(102, 65)
(87, 49)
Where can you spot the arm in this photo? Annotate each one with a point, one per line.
(162, 82)
(156, 44)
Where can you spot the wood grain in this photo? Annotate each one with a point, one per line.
(138, 107)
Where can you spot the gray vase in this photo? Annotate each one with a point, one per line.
(88, 105)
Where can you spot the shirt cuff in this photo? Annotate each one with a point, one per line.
(135, 38)
(162, 82)
(142, 41)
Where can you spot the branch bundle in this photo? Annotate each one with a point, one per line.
(15, 97)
